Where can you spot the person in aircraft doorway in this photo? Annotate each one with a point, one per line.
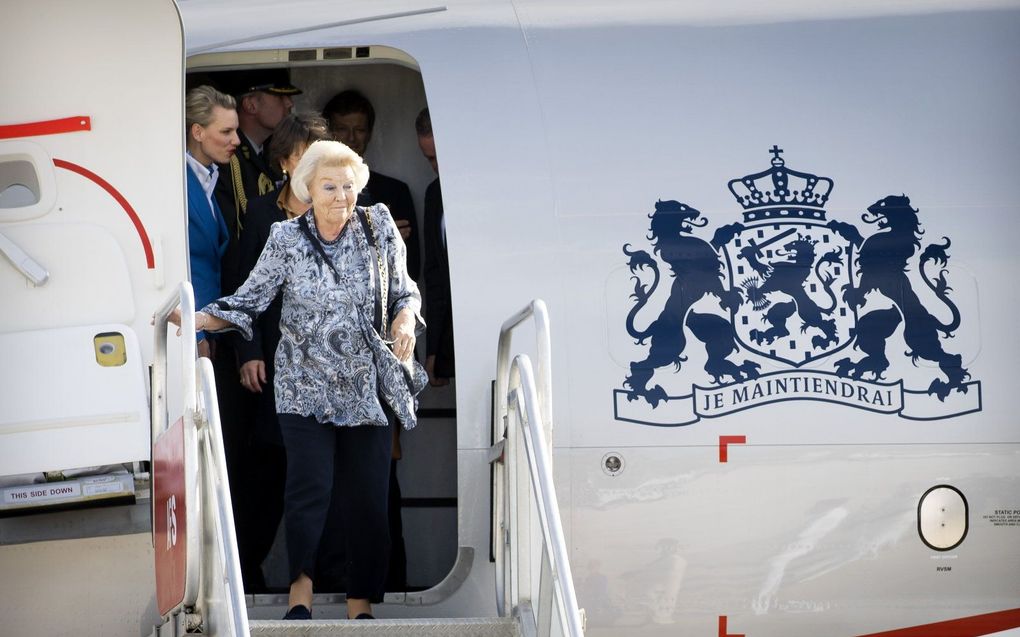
(439, 337)
(265, 462)
(211, 139)
(351, 117)
(348, 326)
(264, 98)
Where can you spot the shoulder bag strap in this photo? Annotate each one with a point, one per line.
(381, 273)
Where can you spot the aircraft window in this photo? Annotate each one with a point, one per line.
(341, 53)
(27, 181)
(304, 55)
(19, 185)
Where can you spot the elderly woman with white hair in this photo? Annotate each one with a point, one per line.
(344, 364)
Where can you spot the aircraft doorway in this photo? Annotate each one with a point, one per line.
(427, 469)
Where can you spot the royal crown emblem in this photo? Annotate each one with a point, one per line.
(781, 193)
(787, 289)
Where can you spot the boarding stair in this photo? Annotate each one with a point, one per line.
(198, 573)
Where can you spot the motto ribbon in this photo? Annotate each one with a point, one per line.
(712, 402)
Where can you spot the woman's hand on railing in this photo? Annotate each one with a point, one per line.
(203, 322)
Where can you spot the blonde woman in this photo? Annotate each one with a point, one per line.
(211, 123)
(348, 326)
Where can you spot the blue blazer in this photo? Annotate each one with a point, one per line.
(207, 241)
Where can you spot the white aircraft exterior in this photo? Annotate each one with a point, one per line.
(776, 242)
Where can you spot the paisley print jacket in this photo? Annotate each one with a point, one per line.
(331, 362)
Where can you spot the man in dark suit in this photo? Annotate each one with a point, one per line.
(439, 333)
(264, 98)
(351, 119)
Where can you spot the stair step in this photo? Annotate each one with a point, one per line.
(465, 627)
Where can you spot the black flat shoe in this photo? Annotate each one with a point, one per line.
(364, 616)
(298, 612)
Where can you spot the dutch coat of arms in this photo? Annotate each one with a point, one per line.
(789, 285)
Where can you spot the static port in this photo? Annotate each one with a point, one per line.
(612, 464)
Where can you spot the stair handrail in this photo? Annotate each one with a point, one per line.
(523, 400)
(223, 547)
(184, 298)
(518, 393)
(213, 568)
(536, 309)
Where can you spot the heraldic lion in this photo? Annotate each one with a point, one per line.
(697, 271)
(882, 263)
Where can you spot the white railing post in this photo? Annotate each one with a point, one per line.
(223, 602)
(522, 415)
(504, 507)
(183, 297)
(540, 469)
(543, 344)
(213, 568)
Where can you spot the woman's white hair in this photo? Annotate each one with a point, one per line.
(331, 154)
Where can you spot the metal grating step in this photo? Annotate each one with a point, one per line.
(469, 627)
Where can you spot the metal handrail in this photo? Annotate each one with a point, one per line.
(543, 344)
(184, 297)
(537, 310)
(215, 476)
(214, 580)
(525, 398)
(517, 391)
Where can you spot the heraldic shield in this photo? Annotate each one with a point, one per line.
(790, 267)
(788, 285)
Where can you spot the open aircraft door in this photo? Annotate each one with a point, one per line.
(92, 231)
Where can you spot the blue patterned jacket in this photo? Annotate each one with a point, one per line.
(331, 363)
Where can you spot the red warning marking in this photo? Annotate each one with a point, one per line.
(722, 628)
(49, 127)
(725, 441)
(150, 261)
(975, 626)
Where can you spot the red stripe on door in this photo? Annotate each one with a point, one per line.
(150, 261)
(975, 626)
(49, 127)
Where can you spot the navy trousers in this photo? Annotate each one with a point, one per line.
(351, 464)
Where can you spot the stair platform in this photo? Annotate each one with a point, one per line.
(461, 627)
